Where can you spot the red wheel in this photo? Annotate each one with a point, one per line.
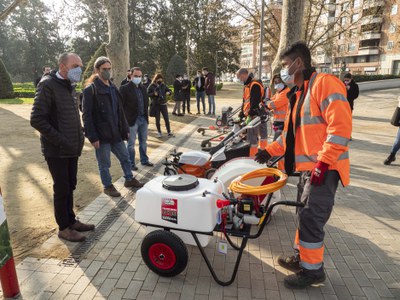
(164, 253)
(162, 256)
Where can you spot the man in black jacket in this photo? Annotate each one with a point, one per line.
(178, 96)
(199, 83)
(127, 78)
(136, 107)
(55, 115)
(106, 126)
(186, 85)
(352, 89)
(46, 70)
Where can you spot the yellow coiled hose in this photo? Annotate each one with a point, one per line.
(239, 187)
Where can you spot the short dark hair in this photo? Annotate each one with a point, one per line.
(135, 69)
(44, 68)
(298, 49)
(198, 71)
(347, 75)
(205, 69)
(177, 75)
(242, 71)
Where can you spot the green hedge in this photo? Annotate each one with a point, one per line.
(361, 78)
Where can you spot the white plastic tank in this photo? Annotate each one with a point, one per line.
(179, 201)
(196, 158)
(239, 166)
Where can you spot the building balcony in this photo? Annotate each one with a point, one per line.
(370, 36)
(368, 50)
(371, 20)
(373, 3)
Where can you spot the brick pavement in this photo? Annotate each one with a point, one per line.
(362, 243)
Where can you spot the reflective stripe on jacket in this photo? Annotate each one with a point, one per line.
(324, 128)
(247, 94)
(279, 104)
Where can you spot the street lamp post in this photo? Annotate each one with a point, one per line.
(216, 61)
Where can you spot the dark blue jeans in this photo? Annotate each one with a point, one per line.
(139, 130)
(202, 96)
(103, 159)
(396, 145)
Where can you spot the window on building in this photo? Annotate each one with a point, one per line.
(390, 45)
(341, 48)
(392, 28)
(393, 11)
(351, 47)
(353, 32)
(354, 18)
(356, 3)
(343, 21)
(341, 36)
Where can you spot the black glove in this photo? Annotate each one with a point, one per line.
(262, 156)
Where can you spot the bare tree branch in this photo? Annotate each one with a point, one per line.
(9, 9)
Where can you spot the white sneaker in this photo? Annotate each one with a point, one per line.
(159, 134)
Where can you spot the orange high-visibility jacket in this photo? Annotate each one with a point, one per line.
(279, 103)
(325, 127)
(247, 93)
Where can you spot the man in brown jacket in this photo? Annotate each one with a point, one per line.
(211, 90)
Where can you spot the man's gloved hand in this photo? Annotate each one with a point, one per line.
(248, 120)
(318, 173)
(262, 156)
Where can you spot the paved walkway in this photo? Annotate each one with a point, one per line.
(362, 257)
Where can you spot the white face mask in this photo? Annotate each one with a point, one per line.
(286, 77)
(137, 80)
(279, 86)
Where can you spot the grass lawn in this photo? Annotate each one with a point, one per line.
(17, 101)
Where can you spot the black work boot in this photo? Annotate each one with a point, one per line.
(303, 279)
(391, 158)
(291, 263)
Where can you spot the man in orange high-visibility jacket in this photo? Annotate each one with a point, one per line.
(314, 141)
(253, 94)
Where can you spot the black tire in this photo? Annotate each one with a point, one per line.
(210, 173)
(175, 255)
(169, 171)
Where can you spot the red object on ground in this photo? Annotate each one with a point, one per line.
(9, 280)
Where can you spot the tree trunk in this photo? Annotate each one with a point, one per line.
(118, 31)
(292, 21)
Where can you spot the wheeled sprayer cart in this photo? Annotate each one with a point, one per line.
(182, 209)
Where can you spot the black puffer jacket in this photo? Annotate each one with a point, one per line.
(99, 120)
(55, 115)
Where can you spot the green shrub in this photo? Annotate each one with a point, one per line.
(176, 66)
(361, 78)
(219, 86)
(6, 87)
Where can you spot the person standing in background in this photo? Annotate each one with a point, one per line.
(199, 83)
(211, 90)
(128, 77)
(158, 92)
(352, 89)
(46, 70)
(135, 102)
(178, 96)
(186, 86)
(146, 81)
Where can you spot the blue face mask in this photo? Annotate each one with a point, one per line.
(75, 74)
(137, 80)
(286, 77)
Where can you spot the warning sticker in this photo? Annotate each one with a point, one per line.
(169, 210)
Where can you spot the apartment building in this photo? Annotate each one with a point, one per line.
(371, 45)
